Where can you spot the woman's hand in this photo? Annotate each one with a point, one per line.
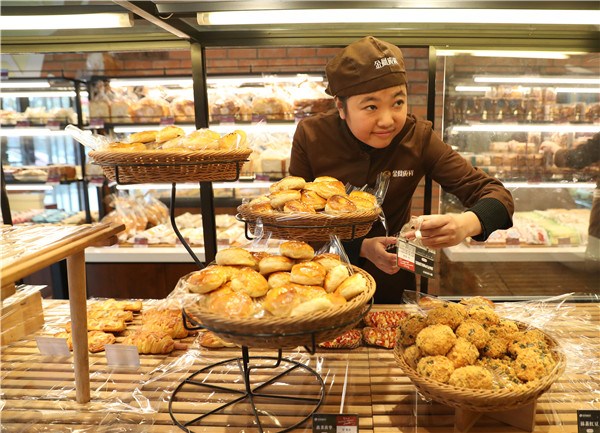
(441, 231)
(374, 249)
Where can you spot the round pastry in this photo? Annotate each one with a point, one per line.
(328, 260)
(312, 199)
(279, 198)
(308, 273)
(288, 182)
(312, 306)
(279, 279)
(207, 280)
(361, 203)
(335, 277)
(297, 250)
(297, 206)
(126, 147)
(230, 303)
(143, 137)
(261, 207)
(272, 264)
(259, 255)
(436, 340)
(169, 133)
(235, 256)
(233, 140)
(352, 286)
(202, 139)
(326, 188)
(325, 179)
(281, 300)
(363, 195)
(251, 282)
(436, 367)
(339, 204)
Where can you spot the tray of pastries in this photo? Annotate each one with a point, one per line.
(170, 155)
(286, 299)
(311, 211)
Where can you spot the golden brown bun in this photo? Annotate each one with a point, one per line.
(207, 280)
(235, 257)
(308, 273)
(326, 188)
(352, 286)
(363, 195)
(251, 282)
(126, 147)
(174, 144)
(336, 298)
(272, 264)
(233, 140)
(169, 133)
(328, 260)
(312, 306)
(325, 179)
(282, 300)
(339, 204)
(335, 277)
(212, 341)
(201, 139)
(259, 255)
(297, 206)
(143, 137)
(279, 198)
(297, 250)
(261, 207)
(312, 199)
(361, 203)
(279, 279)
(288, 182)
(230, 303)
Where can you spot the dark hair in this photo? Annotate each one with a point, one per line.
(344, 101)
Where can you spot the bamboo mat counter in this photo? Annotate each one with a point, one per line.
(38, 392)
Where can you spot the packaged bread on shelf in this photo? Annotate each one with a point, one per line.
(150, 110)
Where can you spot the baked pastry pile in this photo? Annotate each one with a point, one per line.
(325, 194)
(296, 282)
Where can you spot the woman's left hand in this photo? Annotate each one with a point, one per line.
(441, 231)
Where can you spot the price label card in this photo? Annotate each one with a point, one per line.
(415, 258)
(23, 124)
(51, 346)
(588, 421)
(53, 125)
(96, 123)
(335, 423)
(122, 355)
(167, 121)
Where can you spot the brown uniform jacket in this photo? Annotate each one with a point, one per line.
(324, 146)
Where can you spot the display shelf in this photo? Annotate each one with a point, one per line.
(142, 254)
(465, 253)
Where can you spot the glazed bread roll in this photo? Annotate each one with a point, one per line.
(311, 306)
(312, 199)
(271, 264)
(288, 182)
(308, 273)
(233, 140)
(126, 147)
(279, 198)
(143, 137)
(261, 206)
(202, 139)
(169, 133)
(251, 282)
(207, 280)
(325, 179)
(361, 203)
(297, 206)
(326, 188)
(259, 255)
(352, 286)
(335, 277)
(235, 257)
(339, 204)
(279, 279)
(363, 195)
(328, 260)
(297, 250)
(227, 302)
(280, 301)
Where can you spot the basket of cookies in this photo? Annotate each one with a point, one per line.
(170, 155)
(286, 299)
(311, 211)
(468, 357)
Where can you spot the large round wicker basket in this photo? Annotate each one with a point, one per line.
(484, 400)
(282, 332)
(159, 166)
(310, 227)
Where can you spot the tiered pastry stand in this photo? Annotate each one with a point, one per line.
(70, 247)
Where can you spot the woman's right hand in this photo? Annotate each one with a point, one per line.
(375, 250)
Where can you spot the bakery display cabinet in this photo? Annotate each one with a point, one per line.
(43, 166)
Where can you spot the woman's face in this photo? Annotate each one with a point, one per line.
(376, 118)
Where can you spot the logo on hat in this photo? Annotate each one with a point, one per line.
(385, 61)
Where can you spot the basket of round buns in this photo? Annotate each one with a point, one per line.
(170, 155)
(311, 211)
(287, 299)
(468, 357)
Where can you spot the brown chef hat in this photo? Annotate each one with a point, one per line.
(365, 66)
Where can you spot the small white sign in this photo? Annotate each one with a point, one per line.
(51, 346)
(122, 355)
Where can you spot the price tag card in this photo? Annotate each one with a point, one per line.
(226, 120)
(51, 346)
(258, 118)
(122, 355)
(139, 242)
(53, 125)
(588, 421)
(23, 124)
(335, 423)
(96, 123)
(167, 121)
(415, 258)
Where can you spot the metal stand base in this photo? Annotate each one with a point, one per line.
(216, 381)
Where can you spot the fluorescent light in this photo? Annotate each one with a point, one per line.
(30, 132)
(400, 15)
(35, 94)
(573, 185)
(577, 90)
(473, 88)
(24, 85)
(265, 79)
(510, 54)
(536, 80)
(126, 82)
(70, 21)
(29, 187)
(514, 127)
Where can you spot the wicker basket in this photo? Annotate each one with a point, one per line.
(284, 332)
(485, 400)
(158, 166)
(311, 227)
